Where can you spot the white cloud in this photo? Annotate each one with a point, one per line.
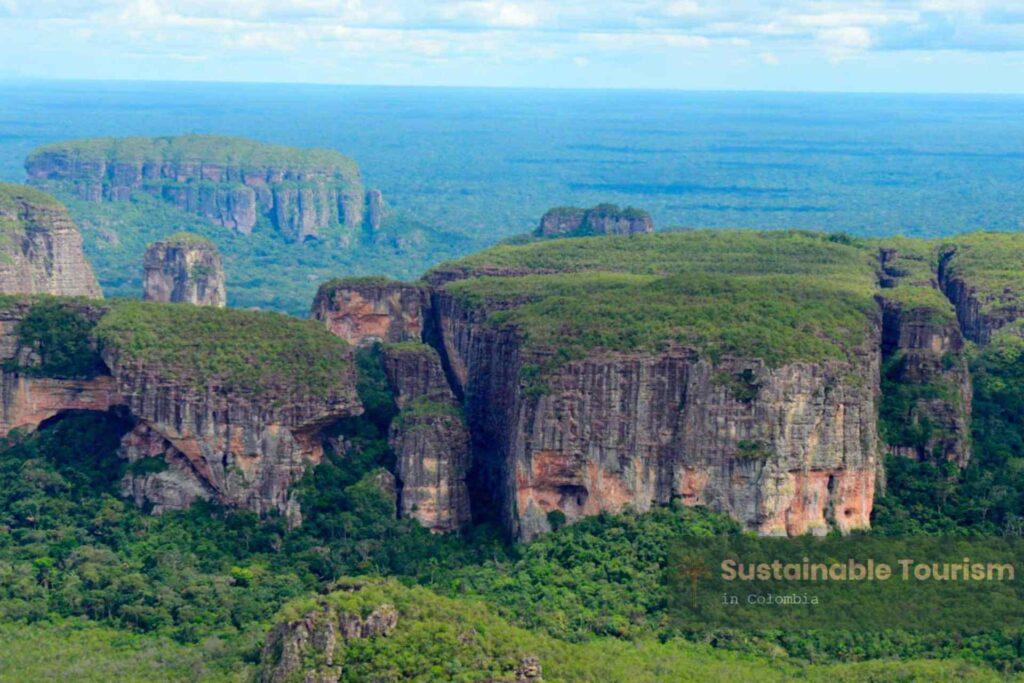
(537, 34)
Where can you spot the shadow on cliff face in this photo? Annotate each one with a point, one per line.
(84, 446)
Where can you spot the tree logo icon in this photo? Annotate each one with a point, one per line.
(693, 568)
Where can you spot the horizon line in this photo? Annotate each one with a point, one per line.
(547, 88)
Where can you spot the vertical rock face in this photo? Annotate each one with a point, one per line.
(184, 268)
(230, 181)
(40, 247)
(786, 450)
(926, 403)
(429, 438)
(367, 310)
(374, 209)
(975, 276)
(240, 440)
(603, 219)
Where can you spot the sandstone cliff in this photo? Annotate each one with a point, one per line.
(603, 219)
(367, 310)
(235, 419)
(571, 412)
(980, 274)
(429, 438)
(231, 181)
(786, 450)
(40, 247)
(184, 268)
(926, 403)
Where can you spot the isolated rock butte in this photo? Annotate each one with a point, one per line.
(184, 268)
(40, 247)
(219, 443)
(367, 310)
(603, 219)
(230, 181)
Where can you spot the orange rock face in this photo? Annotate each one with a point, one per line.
(29, 401)
(363, 312)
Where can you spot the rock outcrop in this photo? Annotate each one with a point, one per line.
(429, 438)
(238, 429)
(926, 402)
(603, 219)
(184, 268)
(375, 209)
(787, 450)
(312, 648)
(982, 288)
(230, 181)
(367, 310)
(40, 247)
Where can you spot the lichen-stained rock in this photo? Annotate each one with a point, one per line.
(429, 438)
(184, 268)
(40, 247)
(229, 181)
(367, 310)
(603, 219)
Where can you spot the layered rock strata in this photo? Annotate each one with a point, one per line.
(212, 439)
(229, 181)
(429, 438)
(787, 450)
(40, 247)
(184, 268)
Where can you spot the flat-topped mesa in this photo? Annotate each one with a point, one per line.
(40, 247)
(227, 405)
(184, 268)
(429, 438)
(363, 310)
(605, 386)
(230, 181)
(603, 219)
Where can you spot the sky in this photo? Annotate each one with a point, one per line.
(901, 46)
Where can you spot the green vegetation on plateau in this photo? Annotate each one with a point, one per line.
(779, 296)
(11, 194)
(991, 262)
(208, 149)
(251, 352)
(187, 238)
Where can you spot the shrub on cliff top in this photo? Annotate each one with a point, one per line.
(250, 352)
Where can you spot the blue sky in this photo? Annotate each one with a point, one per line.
(906, 45)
